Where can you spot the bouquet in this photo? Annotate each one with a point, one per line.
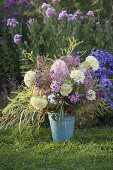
(63, 86)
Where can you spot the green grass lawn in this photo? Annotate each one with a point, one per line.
(91, 149)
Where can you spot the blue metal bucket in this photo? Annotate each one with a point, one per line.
(62, 127)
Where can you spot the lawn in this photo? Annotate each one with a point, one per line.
(90, 149)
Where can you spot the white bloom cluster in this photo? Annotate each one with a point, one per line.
(51, 99)
(39, 102)
(91, 95)
(93, 62)
(78, 76)
(29, 78)
(66, 89)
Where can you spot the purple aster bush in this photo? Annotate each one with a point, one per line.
(105, 74)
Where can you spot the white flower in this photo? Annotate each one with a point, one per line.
(51, 99)
(39, 102)
(77, 75)
(29, 78)
(93, 62)
(91, 95)
(66, 89)
(51, 96)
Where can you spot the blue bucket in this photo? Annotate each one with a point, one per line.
(62, 127)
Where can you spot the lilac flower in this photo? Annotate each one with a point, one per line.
(12, 22)
(50, 12)
(72, 61)
(59, 71)
(45, 6)
(62, 15)
(74, 98)
(90, 14)
(71, 17)
(55, 86)
(17, 38)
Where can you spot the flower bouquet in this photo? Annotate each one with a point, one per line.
(60, 89)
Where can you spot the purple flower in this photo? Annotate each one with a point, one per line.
(30, 21)
(50, 12)
(15, 14)
(12, 22)
(82, 18)
(78, 13)
(17, 38)
(59, 71)
(75, 53)
(71, 17)
(21, 2)
(45, 6)
(55, 86)
(10, 4)
(74, 98)
(72, 61)
(62, 15)
(104, 73)
(88, 81)
(90, 14)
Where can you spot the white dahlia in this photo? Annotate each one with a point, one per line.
(91, 95)
(29, 78)
(78, 76)
(66, 89)
(39, 102)
(93, 62)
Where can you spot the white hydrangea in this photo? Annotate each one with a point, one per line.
(78, 76)
(39, 102)
(93, 62)
(66, 89)
(91, 95)
(29, 78)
